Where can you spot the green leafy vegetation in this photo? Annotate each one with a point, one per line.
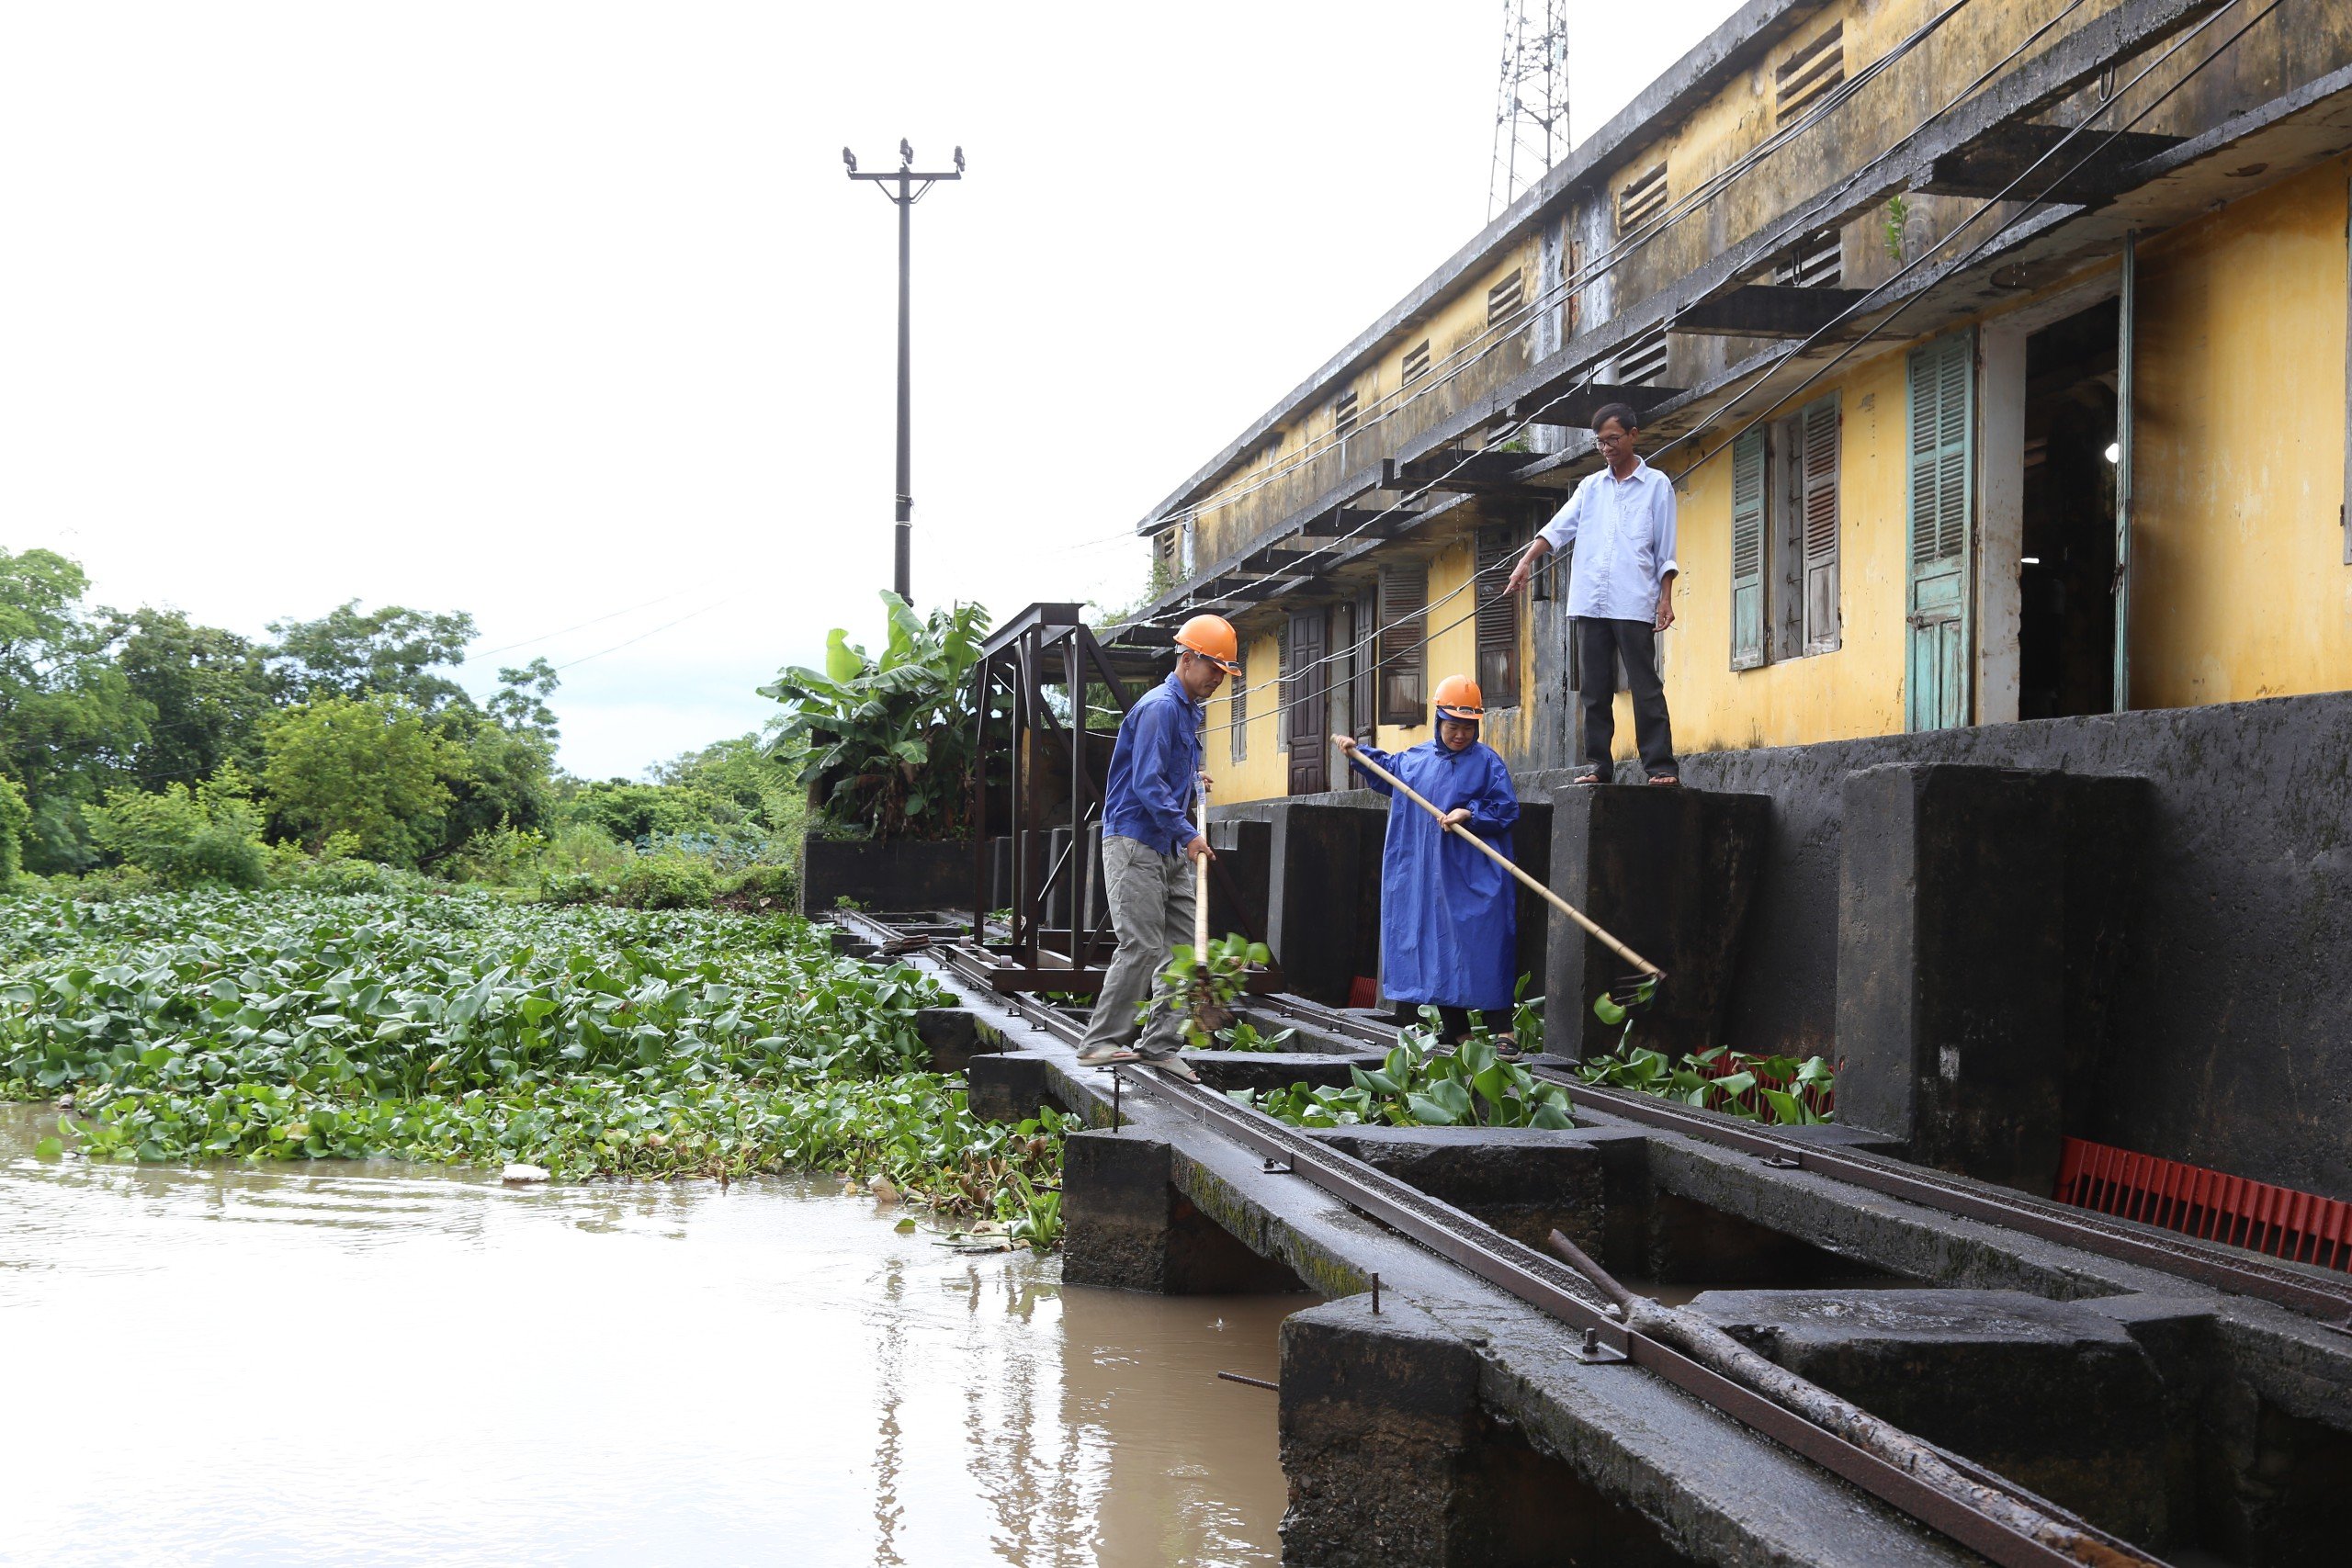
(1775, 1090)
(1419, 1086)
(142, 750)
(1244, 1036)
(1194, 986)
(1778, 1089)
(467, 1029)
(890, 738)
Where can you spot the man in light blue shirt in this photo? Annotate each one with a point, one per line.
(1621, 592)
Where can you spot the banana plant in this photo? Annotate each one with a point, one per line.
(888, 740)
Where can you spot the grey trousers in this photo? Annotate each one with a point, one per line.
(1150, 899)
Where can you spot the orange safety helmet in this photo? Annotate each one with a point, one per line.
(1212, 638)
(1458, 697)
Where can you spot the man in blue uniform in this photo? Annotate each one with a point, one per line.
(1150, 848)
(1449, 916)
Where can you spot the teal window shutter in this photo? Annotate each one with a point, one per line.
(1817, 487)
(1942, 420)
(1748, 550)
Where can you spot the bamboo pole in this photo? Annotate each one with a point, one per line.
(1356, 756)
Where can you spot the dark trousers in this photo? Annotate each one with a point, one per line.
(1600, 644)
(1456, 1022)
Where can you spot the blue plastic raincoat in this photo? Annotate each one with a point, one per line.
(1449, 916)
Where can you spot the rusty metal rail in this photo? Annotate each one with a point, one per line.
(2208, 1263)
(1550, 1287)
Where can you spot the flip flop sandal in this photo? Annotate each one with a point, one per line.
(1175, 1067)
(1588, 778)
(1507, 1049)
(1666, 779)
(1111, 1057)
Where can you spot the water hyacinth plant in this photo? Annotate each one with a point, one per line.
(465, 1028)
(1772, 1090)
(1417, 1086)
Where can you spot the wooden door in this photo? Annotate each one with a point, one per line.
(1304, 691)
(1942, 426)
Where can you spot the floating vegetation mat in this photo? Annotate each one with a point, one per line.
(466, 1030)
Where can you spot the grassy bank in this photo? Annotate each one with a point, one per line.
(467, 1030)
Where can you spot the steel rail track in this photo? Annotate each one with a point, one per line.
(2209, 1263)
(1551, 1287)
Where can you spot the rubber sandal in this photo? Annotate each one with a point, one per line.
(1666, 778)
(1586, 779)
(1175, 1067)
(1107, 1056)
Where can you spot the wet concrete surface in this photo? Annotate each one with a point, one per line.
(392, 1364)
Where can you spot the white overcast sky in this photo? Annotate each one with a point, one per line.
(564, 313)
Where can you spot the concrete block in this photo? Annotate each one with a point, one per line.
(1130, 1229)
(1524, 1182)
(1952, 958)
(894, 876)
(1008, 1085)
(1393, 1462)
(1227, 1070)
(1322, 916)
(953, 1035)
(1670, 872)
(1245, 852)
(2053, 1394)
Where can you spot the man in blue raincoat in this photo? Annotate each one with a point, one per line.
(1449, 916)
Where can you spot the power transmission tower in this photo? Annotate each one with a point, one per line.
(1532, 106)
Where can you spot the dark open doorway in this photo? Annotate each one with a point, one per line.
(2066, 576)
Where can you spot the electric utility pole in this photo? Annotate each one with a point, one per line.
(911, 188)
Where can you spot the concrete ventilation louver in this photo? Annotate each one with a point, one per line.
(1817, 261)
(1643, 199)
(1417, 361)
(1811, 72)
(1642, 359)
(1343, 415)
(1504, 299)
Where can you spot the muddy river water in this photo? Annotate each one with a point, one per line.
(383, 1364)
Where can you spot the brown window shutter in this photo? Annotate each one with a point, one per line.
(1403, 596)
(1238, 737)
(1498, 617)
(1363, 698)
(1820, 493)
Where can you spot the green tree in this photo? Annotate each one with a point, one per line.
(206, 690)
(186, 838)
(509, 751)
(370, 766)
(393, 650)
(14, 815)
(69, 724)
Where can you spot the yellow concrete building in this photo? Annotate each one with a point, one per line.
(1998, 353)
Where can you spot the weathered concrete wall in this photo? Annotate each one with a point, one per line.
(2227, 1043)
(2239, 582)
(895, 876)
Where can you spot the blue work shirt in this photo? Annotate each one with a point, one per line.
(1449, 916)
(1154, 766)
(1624, 534)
